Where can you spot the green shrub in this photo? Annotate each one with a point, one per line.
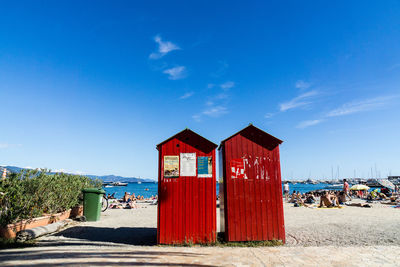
(31, 193)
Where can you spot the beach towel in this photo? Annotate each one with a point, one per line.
(331, 208)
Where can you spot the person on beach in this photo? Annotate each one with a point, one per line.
(310, 199)
(286, 190)
(126, 197)
(328, 200)
(346, 188)
(392, 201)
(293, 197)
(341, 196)
(131, 204)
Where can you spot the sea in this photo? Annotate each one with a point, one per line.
(150, 189)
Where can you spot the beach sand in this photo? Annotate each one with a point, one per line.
(349, 226)
(351, 236)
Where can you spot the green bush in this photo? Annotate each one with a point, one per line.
(32, 193)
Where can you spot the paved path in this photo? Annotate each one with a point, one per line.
(74, 254)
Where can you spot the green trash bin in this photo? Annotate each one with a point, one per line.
(92, 198)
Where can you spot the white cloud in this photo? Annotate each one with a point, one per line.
(221, 96)
(163, 48)
(222, 68)
(227, 85)
(351, 108)
(209, 103)
(176, 73)
(216, 105)
(300, 84)
(305, 124)
(211, 111)
(197, 117)
(60, 170)
(186, 95)
(215, 111)
(361, 106)
(5, 145)
(67, 171)
(299, 101)
(210, 85)
(269, 115)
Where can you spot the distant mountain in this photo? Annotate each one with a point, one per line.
(114, 178)
(105, 178)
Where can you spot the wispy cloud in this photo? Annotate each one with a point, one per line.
(216, 105)
(176, 73)
(305, 124)
(222, 68)
(164, 47)
(212, 110)
(67, 171)
(361, 106)
(60, 170)
(394, 66)
(186, 95)
(300, 84)
(221, 96)
(210, 85)
(5, 145)
(351, 108)
(299, 101)
(227, 85)
(269, 115)
(197, 117)
(215, 111)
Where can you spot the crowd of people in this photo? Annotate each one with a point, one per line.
(129, 201)
(331, 198)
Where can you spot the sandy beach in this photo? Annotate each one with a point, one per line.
(351, 236)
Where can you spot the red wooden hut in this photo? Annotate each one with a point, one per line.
(251, 202)
(186, 189)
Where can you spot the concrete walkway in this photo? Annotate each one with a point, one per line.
(75, 254)
(128, 238)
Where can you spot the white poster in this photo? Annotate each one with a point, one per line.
(188, 164)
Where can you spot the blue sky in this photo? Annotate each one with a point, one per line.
(92, 87)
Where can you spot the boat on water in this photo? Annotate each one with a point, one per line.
(334, 186)
(139, 182)
(119, 184)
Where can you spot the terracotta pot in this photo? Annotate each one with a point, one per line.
(11, 230)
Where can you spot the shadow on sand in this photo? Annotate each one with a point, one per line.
(99, 246)
(123, 235)
(91, 258)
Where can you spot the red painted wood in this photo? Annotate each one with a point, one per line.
(187, 205)
(253, 207)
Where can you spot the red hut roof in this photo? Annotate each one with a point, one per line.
(193, 139)
(258, 136)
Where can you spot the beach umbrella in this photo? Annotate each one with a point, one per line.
(359, 187)
(386, 183)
